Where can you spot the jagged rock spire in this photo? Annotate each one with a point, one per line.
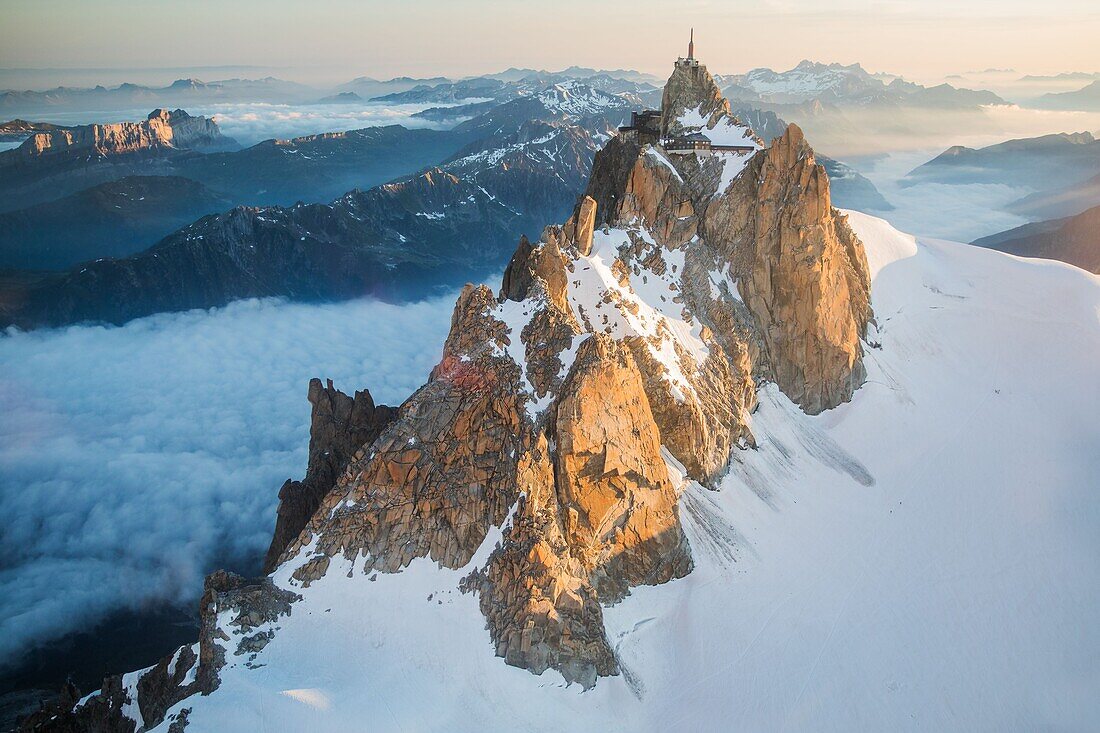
(642, 325)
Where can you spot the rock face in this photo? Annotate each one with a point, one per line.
(339, 426)
(619, 501)
(692, 102)
(691, 89)
(621, 356)
(441, 474)
(802, 272)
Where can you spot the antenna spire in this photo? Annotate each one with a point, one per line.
(691, 44)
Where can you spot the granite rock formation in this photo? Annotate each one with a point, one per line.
(641, 324)
(339, 426)
(803, 273)
(620, 358)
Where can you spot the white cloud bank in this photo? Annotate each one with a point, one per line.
(251, 123)
(958, 212)
(135, 459)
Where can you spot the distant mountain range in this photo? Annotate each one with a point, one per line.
(1064, 76)
(368, 87)
(846, 109)
(1036, 161)
(181, 92)
(1084, 100)
(520, 161)
(310, 168)
(527, 162)
(492, 88)
(111, 219)
(19, 130)
(580, 72)
(1062, 169)
(1074, 239)
(828, 83)
(849, 111)
(194, 92)
(341, 98)
(848, 85)
(317, 167)
(1060, 201)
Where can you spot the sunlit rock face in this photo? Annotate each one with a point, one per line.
(803, 273)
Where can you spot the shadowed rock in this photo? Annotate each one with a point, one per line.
(340, 425)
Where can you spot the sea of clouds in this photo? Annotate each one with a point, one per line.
(250, 123)
(135, 459)
(961, 212)
(958, 212)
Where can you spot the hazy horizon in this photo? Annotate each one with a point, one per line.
(336, 40)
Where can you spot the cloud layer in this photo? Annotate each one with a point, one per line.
(133, 460)
(960, 213)
(251, 123)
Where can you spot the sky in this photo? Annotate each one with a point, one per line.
(338, 39)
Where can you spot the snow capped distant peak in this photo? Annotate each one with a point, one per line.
(806, 64)
(571, 84)
(577, 99)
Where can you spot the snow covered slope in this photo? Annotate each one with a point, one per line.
(925, 557)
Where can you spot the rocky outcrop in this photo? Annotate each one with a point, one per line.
(619, 333)
(692, 103)
(600, 519)
(802, 272)
(546, 455)
(442, 473)
(231, 608)
(691, 89)
(161, 129)
(598, 510)
(339, 426)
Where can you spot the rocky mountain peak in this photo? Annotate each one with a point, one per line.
(621, 357)
(691, 90)
(546, 454)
